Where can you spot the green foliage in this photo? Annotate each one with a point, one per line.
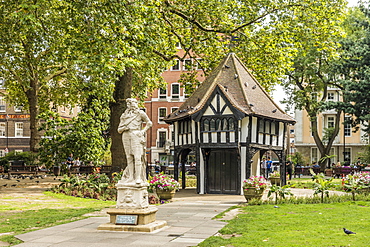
(82, 136)
(353, 67)
(279, 191)
(298, 159)
(96, 186)
(321, 185)
(365, 156)
(28, 157)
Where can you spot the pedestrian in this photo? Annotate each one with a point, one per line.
(70, 161)
(269, 166)
(264, 167)
(289, 168)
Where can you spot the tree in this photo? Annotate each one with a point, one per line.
(353, 67)
(127, 44)
(312, 76)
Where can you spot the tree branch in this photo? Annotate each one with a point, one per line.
(201, 27)
(57, 73)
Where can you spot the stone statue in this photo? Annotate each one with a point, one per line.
(133, 139)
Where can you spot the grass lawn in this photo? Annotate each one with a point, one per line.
(20, 215)
(297, 225)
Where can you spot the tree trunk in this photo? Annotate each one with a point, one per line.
(122, 91)
(324, 150)
(32, 96)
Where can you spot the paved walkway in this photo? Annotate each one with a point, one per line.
(189, 220)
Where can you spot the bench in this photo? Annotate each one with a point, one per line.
(305, 171)
(340, 172)
(20, 168)
(81, 169)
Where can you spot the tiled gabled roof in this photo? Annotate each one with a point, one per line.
(240, 88)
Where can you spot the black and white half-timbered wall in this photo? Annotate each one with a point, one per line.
(229, 122)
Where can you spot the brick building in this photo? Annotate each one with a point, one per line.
(161, 103)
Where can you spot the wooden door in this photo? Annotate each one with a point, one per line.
(222, 172)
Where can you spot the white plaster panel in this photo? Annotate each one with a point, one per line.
(254, 128)
(205, 138)
(243, 129)
(243, 169)
(223, 137)
(214, 137)
(201, 167)
(232, 136)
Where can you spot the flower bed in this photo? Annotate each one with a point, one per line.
(163, 182)
(258, 182)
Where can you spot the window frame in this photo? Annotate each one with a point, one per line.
(160, 113)
(18, 132)
(177, 66)
(175, 95)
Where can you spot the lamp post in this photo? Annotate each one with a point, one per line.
(7, 132)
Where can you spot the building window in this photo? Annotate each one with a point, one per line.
(173, 109)
(2, 104)
(218, 124)
(347, 155)
(198, 63)
(178, 45)
(18, 129)
(162, 93)
(331, 122)
(206, 125)
(176, 65)
(2, 83)
(162, 138)
(261, 126)
(2, 129)
(175, 91)
(18, 108)
(347, 126)
(162, 113)
(331, 96)
(187, 65)
(314, 155)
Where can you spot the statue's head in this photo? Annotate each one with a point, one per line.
(131, 103)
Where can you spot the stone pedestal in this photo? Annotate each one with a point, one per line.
(132, 212)
(146, 220)
(131, 196)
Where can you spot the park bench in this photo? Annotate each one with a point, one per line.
(105, 169)
(81, 169)
(305, 171)
(19, 167)
(340, 172)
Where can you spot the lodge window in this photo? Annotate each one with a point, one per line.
(218, 124)
(268, 127)
(184, 127)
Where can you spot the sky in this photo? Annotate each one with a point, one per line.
(278, 95)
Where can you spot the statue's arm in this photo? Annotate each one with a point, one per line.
(146, 120)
